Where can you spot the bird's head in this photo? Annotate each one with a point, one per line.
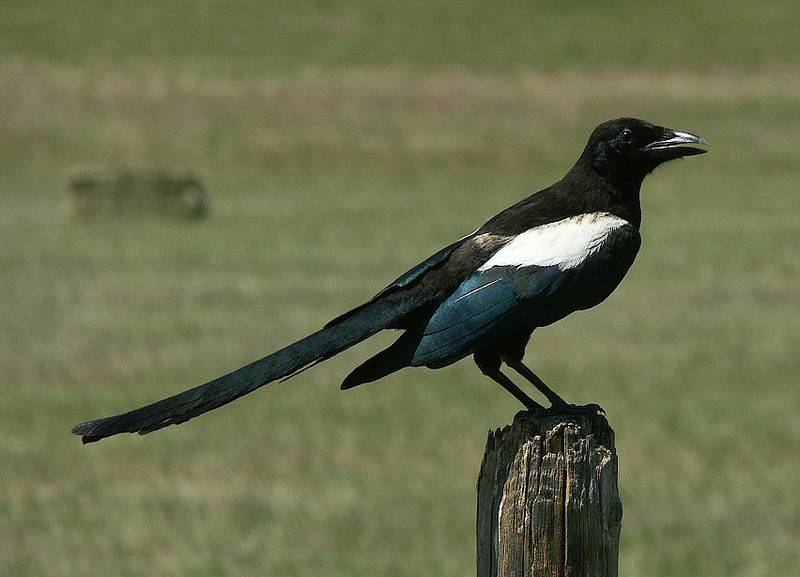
(629, 148)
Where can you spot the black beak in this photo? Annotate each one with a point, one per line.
(675, 144)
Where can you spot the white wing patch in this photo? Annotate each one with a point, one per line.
(566, 243)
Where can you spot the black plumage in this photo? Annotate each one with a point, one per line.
(562, 249)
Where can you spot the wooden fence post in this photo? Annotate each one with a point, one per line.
(548, 504)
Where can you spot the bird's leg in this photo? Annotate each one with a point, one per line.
(494, 373)
(552, 396)
(489, 364)
(498, 377)
(559, 405)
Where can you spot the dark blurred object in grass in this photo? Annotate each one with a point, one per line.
(132, 192)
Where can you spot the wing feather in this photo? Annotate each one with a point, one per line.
(484, 301)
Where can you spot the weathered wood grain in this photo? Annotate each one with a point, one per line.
(548, 504)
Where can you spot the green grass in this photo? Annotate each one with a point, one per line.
(249, 36)
(333, 166)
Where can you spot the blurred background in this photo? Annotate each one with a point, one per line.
(340, 143)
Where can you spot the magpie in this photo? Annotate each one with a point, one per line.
(560, 250)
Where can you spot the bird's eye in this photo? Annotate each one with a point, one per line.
(626, 136)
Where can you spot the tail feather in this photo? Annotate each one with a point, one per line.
(395, 357)
(314, 348)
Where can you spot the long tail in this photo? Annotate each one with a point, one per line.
(314, 348)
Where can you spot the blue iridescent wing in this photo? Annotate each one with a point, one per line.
(481, 303)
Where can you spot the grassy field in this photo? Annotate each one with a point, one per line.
(341, 143)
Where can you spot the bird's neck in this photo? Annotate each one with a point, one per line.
(597, 192)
